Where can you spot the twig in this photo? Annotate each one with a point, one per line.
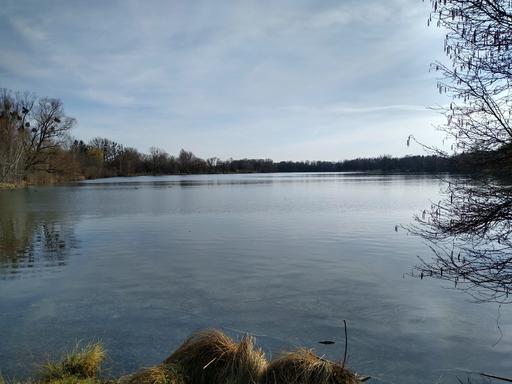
(211, 361)
(497, 377)
(498, 326)
(346, 345)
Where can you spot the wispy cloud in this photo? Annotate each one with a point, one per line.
(348, 109)
(31, 33)
(227, 79)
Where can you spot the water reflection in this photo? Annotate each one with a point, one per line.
(31, 239)
(286, 257)
(249, 179)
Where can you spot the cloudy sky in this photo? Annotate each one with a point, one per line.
(280, 79)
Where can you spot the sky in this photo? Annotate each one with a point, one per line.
(286, 80)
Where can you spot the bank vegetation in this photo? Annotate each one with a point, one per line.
(207, 357)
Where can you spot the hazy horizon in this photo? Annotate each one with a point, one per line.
(294, 81)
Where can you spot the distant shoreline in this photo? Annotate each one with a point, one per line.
(25, 184)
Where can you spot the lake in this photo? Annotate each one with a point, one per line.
(140, 263)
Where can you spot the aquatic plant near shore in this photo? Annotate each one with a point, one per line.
(304, 367)
(210, 356)
(159, 374)
(81, 362)
(207, 357)
(79, 366)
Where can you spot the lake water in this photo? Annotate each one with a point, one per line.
(140, 263)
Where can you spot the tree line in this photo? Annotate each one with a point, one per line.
(158, 162)
(36, 146)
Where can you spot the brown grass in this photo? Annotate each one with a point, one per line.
(7, 186)
(74, 380)
(304, 367)
(82, 363)
(64, 380)
(207, 357)
(160, 374)
(211, 357)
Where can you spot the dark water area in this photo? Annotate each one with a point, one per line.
(140, 263)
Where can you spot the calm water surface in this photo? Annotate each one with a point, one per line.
(140, 263)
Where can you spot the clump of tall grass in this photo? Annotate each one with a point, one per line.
(64, 380)
(207, 357)
(305, 367)
(160, 374)
(71, 380)
(81, 363)
(211, 357)
(6, 186)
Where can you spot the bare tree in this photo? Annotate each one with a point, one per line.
(110, 149)
(31, 130)
(159, 159)
(130, 161)
(50, 129)
(186, 161)
(469, 228)
(14, 109)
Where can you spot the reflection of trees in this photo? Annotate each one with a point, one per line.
(29, 240)
(470, 228)
(469, 233)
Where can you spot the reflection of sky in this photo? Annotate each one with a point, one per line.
(287, 260)
(289, 80)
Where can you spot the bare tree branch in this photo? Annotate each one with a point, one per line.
(469, 229)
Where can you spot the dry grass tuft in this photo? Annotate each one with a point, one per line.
(160, 374)
(211, 357)
(64, 380)
(81, 363)
(304, 367)
(75, 380)
(207, 357)
(7, 186)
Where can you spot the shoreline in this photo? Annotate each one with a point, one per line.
(205, 357)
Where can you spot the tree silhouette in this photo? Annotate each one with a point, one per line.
(32, 130)
(469, 228)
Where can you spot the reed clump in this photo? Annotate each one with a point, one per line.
(211, 357)
(207, 357)
(81, 363)
(73, 380)
(159, 374)
(305, 367)
(7, 186)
